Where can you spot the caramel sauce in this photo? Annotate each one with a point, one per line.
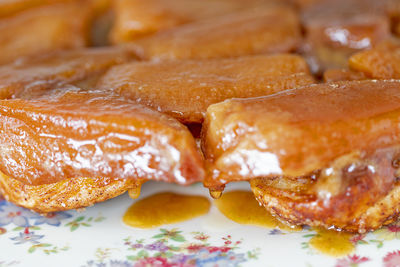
(243, 208)
(332, 243)
(165, 208)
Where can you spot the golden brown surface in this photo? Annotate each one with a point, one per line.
(337, 29)
(296, 132)
(67, 194)
(264, 30)
(39, 72)
(382, 62)
(69, 133)
(185, 88)
(356, 201)
(337, 75)
(135, 18)
(45, 28)
(10, 7)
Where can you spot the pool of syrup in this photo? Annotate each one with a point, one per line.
(165, 208)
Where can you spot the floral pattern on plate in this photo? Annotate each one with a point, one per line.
(97, 237)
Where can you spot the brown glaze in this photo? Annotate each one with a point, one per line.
(8, 8)
(337, 75)
(295, 132)
(71, 134)
(135, 18)
(45, 28)
(264, 30)
(185, 88)
(165, 208)
(337, 29)
(37, 73)
(382, 62)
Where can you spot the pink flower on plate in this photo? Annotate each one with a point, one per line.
(160, 262)
(215, 249)
(351, 261)
(392, 259)
(194, 247)
(152, 262)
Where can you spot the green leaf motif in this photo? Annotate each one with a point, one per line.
(31, 249)
(142, 254)
(74, 227)
(81, 218)
(178, 238)
(158, 236)
(131, 258)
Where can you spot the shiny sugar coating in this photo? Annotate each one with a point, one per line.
(136, 18)
(185, 88)
(296, 132)
(381, 62)
(263, 30)
(70, 134)
(337, 29)
(45, 28)
(37, 73)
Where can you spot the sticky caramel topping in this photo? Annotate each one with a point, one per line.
(337, 29)
(298, 131)
(41, 72)
(185, 88)
(92, 134)
(135, 18)
(381, 62)
(337, 75)
(265, 30)
(165, 208)
(44, 29)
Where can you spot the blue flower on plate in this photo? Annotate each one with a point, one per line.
(276, 232)
(27, 236)
(53, 218)
(10, 213)
(206, 259)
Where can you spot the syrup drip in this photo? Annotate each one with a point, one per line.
(215, 194)
(134, 193)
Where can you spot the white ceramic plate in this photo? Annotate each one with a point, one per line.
(97, 237)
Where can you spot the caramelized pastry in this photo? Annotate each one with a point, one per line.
(381, 62)
(337, 75)
(76, 193)
(321, 155)
(43, 29)
(24, 77)
(264, 30)
(136, 18)
(337, 29)
(81, 134)
(185, 88)
(8, 7)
